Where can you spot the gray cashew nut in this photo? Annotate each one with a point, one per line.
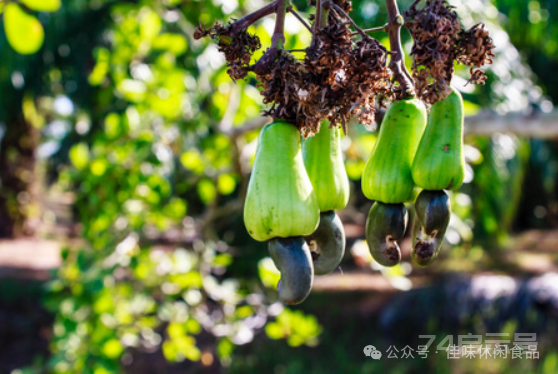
(327, 243)
(292, 257)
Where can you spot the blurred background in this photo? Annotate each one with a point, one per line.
(125, 151)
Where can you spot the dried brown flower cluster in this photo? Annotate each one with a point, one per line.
(439, 40)
(237, 47)
(475, 50)
(337, 80)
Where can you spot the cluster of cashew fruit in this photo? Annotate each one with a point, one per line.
(296, 186)
(292, 196)
(414, 151)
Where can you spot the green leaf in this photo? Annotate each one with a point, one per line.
(226, 184)
(112, 348)
(101, 68)
(23, 31)
(269, 274)
(42, 5)
(174, 43)
(192, 160)
(206, 191)
(79, 155)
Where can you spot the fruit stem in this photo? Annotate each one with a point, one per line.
(278, 38)
(247, 20)
(397, 61)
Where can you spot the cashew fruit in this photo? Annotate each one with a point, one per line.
(280, 201)
(386, 223)
(387, 173)
(439, 162)
(323, 160)
(327, 243)
(292, 257)
(433, 211)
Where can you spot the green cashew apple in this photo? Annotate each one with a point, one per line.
(433, 213)
(323, 160)
(387, 174)
(327, 243)
(280, 201)
(386, 223)
(439, 163)
(292, 258)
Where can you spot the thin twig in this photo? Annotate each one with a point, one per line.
(301, 20)
(337, 9)
(374, 29)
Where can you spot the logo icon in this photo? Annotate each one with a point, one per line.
(371, 351)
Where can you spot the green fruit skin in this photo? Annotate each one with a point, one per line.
(327, 243)
(323, 160)
(385, 224)
(387, 174)
(439, 163)
(433, 212)
(292, 257)
(280, 201)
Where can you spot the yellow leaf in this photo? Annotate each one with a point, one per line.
(23, 31)
(79, 155)
(42, 5)
(226, 184)
(112, 348)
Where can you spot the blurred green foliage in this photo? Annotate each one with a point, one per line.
(140, 122)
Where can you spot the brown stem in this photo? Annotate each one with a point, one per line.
(324, 15)
(317, 16)
(397, 61)
(299, 18)
(278, 38)
(247, 20)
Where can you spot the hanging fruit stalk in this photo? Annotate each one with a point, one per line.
(439, 164)
(323, 160)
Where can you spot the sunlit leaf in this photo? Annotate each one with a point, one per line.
(206, 191)
(79, 155)
(226, 184)
(132, 90)
(150, 24)
(192, 161)
(112, 348)
(42, 5)
(112, 125)
(98, 167)
(23, 31)
(174, 43)
(223, 259)
(101, 68)
(268, 272)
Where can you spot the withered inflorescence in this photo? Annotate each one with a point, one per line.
(439, 40)
(336, 80)
(339, 78)
(238, 47)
